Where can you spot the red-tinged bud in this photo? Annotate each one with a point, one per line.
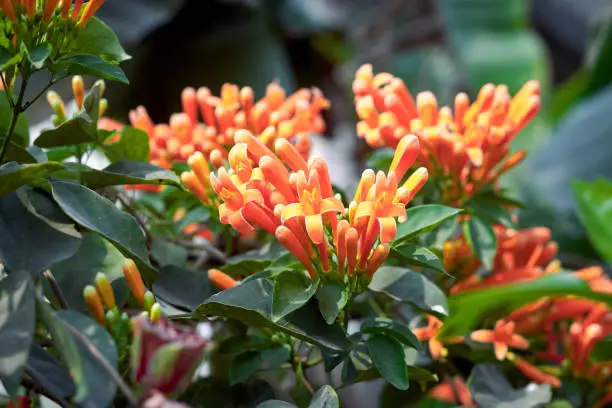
(290, 155)
(190, 105)
(288, 239)
(532, 372)
(78, 89)
(50, 6)
(134, 280)
(91, 9)
(378, 257)
(427, 106)
(94, 303)
(164, 355)
(352, 240)
(9, 11)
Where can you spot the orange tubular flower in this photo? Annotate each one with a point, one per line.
(502, 337)
(311, 206)
(430, 333)
(469, 146)
(221, 280)
(134, 280)
(454, 391)
(532, 372)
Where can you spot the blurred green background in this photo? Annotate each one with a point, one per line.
(445, 46)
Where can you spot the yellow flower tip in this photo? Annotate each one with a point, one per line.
(105, 290)
(216, 159)
(102, 107)
(78, 89)
(405, 155)
(413, 185)
(366, 110)
(56, 103)
(94, 303)
(189, 180)
(156, 313)
(134, 280)
(102, 85)
(368, 177)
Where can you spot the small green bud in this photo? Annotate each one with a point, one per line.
(155, 313)
(148, 301)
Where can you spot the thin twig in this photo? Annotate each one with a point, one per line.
(105, 364)
(140, 222)
(17, 109)
(9, 95)
(57, 291)
(52, 81)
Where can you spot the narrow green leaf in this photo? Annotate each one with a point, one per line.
(292, 290)
(325, 397)
(66, 347)
(332, 298)
(388, 357)
(13, 175)
(98, 214)
(594, 201)
(421, 219)
(406, 285)
(482, 239)
(121, 173)
(17, 322)
(417, 255)
(389, 327)
(243, 366)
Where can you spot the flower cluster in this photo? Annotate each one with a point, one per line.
(561, 330)
(78, 91)
(282, 193)
(468, 146)
(48, 8)
(275, 116)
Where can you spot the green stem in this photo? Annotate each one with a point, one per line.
(17, 109)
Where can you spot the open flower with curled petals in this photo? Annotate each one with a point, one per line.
(430, 333)
(502, 337)
(311, 205)
(453, 390)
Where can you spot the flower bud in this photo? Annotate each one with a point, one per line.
(134, 280)
(156, 313)
(164, 356)
(149, 300)
(105, 290)
(102, 107)
(94, 303)
(78, 89)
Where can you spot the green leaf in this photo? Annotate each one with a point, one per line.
(7, 59)
(89, 335)
(594, 201)
(599, 61)
(388, 357)
(17, 323)
(34, 232)
(253, 261)
(82, 64)
(602, 350)
(423, 218)
(182, 288)
(21, 134)
(243, 366)
(98, 214)
(94, 255)
(168, 253)
(421, 375)
(39, 54)
(482, 239)
(121, 173)
(417, 255)
(99, 39)
(251, 303)
(490, 388)
(387, 326)
(13, 175)
(406, 285)
(380, 159)
(66, 346)
(332, 297)
(79, 129)
(292, 290)
(490, 210)
(276, 404)
(133, 144)
(325, 397)
(467, 309)
(48, 372)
